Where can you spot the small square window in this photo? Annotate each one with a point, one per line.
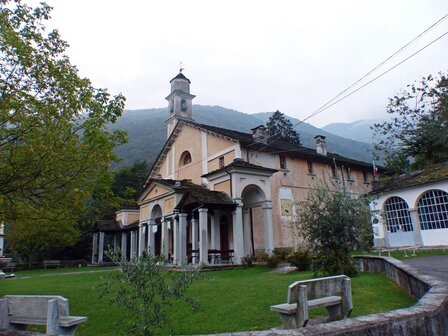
(221, 162)
(365, 176)
(349, 174)
(282, 162)
(310, 167)
(334, 171)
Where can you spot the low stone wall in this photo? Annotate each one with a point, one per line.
(429, 316)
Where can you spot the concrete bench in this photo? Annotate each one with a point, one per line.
(18, 311)
(334, 293)
(52, 263)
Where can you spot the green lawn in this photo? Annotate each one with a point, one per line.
(406, 254)
(231, 300)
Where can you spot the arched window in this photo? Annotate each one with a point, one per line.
(397, 215)
(185, 158)
(433, 210)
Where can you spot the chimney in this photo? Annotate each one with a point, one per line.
(259, 134)
(321, 145)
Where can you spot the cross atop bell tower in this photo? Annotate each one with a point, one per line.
(179, 101)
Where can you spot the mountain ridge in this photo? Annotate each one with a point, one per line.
(147, 132)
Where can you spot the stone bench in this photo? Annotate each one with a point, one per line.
(18, 311)
(334, 293)
(52, 263)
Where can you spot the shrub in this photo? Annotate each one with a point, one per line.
(261, 256)
(282, 252)
(273, 260)
(300, 258)
(144, 291)
(248, 260)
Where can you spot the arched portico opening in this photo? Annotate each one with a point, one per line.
(154, 232)
(257, 220)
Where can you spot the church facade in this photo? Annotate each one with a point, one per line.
(216, 195)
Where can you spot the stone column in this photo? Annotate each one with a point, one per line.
(268, 230)
(115, 243)
(183, 237)
(215, 232)
(124, 244)
(152, 229)
(238, 236)
(101, 248)
(94, 248)
(133, 245)
(165, 239)
(194, 239)
(176, 247)
(203, 236)
(141, 238)
(246, 241)
(418, 240)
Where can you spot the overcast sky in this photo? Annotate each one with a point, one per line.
(254, 55)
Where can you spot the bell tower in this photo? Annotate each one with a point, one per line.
(179, 102)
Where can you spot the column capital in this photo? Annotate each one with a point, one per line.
(202, 210)
(183, 214)
(267, 204)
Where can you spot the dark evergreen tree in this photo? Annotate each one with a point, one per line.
(281, 128)
(418, 130)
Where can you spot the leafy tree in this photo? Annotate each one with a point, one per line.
(128, 183)
(417, 134)
(53, 140)
(333, 223)
(279, 127)
(144, 291)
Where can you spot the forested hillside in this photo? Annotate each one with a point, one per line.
(147, 132)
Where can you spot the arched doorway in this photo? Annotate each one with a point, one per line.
(256, 222)
(154, 232)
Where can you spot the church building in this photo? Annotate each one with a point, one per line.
(215, 195)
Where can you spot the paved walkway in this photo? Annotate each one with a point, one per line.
(436, 266)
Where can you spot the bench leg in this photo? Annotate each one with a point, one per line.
(347, 302)
(335, 312)
(302, 316)
(289, 321)
(4, 317)
(53, 327)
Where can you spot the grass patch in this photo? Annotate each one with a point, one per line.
(402, 254)
(231, 300)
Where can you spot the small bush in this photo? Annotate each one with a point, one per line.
(248, 260)
(273, 260)
(300, 258)
(282, 252)
(261, 256)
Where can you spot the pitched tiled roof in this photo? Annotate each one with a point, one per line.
(201, 194)
(180, 75)
(431, 174)
(240, 163)
(279, 146)
(273, 146)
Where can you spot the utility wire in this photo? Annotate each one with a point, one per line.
(331, 102)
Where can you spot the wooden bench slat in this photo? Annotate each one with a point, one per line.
(64, 321)
(68, 321)
(324, 302)
(285, 308)
(37, 320)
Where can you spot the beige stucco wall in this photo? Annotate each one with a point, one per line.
(216, 144)
(296, 180)
(214, 163)
(168, 205)
(156, 191)
(223, 187)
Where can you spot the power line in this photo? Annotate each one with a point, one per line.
(331, 102)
